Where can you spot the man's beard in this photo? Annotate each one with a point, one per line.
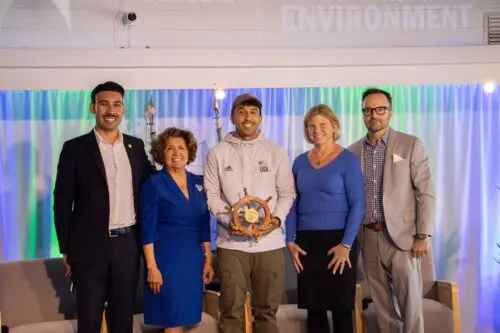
(375, 126)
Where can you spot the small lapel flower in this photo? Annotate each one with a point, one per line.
(199, 187)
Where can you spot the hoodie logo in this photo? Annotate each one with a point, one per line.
(263, 167)
(228, 168)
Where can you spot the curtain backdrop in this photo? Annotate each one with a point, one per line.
(459, 125)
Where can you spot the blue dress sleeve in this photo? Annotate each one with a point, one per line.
(355, 192)
(205, 227)
(292, 217)
(148, 211)
(205, 218)
(291, 222)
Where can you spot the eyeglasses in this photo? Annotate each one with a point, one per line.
(380, 110)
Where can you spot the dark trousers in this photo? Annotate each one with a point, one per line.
(264, 274)
(317, 322)
(114, 281)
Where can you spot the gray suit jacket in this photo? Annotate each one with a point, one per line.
(409, 194)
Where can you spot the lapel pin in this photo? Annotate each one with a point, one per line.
(129, 145)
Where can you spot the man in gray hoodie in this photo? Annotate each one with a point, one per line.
(246, 159)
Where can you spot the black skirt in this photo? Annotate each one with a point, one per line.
(317, 287)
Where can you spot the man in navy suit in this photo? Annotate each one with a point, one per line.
(95, 212)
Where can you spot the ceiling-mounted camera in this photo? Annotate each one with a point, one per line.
(129, 18)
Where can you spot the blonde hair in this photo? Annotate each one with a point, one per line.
(325, 111)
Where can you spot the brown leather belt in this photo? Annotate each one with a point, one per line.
(376, 226)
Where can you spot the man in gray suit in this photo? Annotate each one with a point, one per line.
(399, 216)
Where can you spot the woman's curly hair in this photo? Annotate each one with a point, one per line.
(160, 143)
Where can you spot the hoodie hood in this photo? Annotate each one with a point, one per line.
(232, 139)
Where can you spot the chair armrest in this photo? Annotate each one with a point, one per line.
(211, 306)
(447, 294)
(211, 303)
(358, 310)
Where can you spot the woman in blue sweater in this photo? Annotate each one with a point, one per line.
(323, 223)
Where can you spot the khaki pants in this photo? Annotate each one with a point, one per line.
(262, 274)
(395, 284)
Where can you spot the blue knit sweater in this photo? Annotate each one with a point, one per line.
(331, 197)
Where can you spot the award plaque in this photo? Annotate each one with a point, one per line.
(251, 217)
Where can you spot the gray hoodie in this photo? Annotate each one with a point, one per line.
(264, 169)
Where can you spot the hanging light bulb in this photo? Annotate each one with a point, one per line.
(220, 94)
(489, 87)
(150, 116)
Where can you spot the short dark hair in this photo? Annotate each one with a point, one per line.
(373, 91)
(159, 144)
(246, 99)
(107, 86)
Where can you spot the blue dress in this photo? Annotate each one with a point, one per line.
(177, 227)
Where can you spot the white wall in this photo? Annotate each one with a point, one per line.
(242, 23)
(72, 44)
(239, 68)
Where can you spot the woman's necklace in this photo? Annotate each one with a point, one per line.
(321, 159)
(181, 184)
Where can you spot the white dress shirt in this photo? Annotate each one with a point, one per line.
(119, 179)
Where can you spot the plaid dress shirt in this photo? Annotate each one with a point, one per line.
(373, 171)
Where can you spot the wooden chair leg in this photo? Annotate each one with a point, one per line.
(104, 323)
(357, 314)
(247, 319)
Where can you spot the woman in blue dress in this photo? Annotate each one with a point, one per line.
(175, 233)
